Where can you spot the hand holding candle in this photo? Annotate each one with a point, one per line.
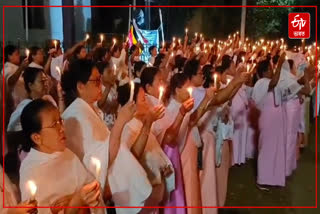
(33, 189)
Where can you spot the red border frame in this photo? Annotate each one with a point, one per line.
(180, 6)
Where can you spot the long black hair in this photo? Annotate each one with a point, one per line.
(29, 76)
(8, 51)
(177, 81)
(207, 75)
(225, 64)
(263, 67)
(147, 76)
(124, 93)
(31, 121)
(33, 52)
(191, 68)
(79, 71)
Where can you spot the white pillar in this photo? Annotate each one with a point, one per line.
(243, 20)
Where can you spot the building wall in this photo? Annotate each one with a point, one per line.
(14, 26)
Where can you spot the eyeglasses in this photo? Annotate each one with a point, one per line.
(96, 81)
(55, 125)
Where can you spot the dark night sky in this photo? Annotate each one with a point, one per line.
(226, 20)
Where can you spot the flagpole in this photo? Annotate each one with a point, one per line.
(26, 21)
(161, 24)
(129, 20)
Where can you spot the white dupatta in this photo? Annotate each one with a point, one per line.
(88, 136)
(55, 175)
(153, 159)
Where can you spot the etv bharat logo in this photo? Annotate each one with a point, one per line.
(299, 26)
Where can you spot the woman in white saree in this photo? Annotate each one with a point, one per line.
(121, 175)
(60, 178)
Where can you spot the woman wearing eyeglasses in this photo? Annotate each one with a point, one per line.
(88, 136)
(60, 177)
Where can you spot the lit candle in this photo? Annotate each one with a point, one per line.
(190, 91)
(27, 52)
(179, 41)
(245, 49)
(308, 58)
(196, 34)
(229, 36)
(254, 48)
(248, 68)
(114, 41)
(277, 42)
(214, 40)
(114, 69)
(197, 49)
(131, 91)
(161, 90)
(242, 59)
(127, 39)
(205, 45)
(201, 35)
(254, 65)
(237, 32)
(33, 189)
(234, 35)
(58, 69)
(186, 30)
(210, 45)
(262, 40)
(163, 44)
(172, 54)
(97, 164)
(215, 77)
(101, 38)
(312, 58)
(87, 37)
(247, 39)
(228, 81)
(174, 39)
(282, 41)
(264, 48)
(240, 43)
(55, 44)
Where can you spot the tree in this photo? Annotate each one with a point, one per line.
(268, 21)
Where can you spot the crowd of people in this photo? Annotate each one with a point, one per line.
(100, 127)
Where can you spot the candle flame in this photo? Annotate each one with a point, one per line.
(96, 162)
(114, 41)
(87, 37)
(190, 91)
(27, 52)
(32, 187)
(58, 69)
(161, 90)
(186, 30)
(101, 38)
